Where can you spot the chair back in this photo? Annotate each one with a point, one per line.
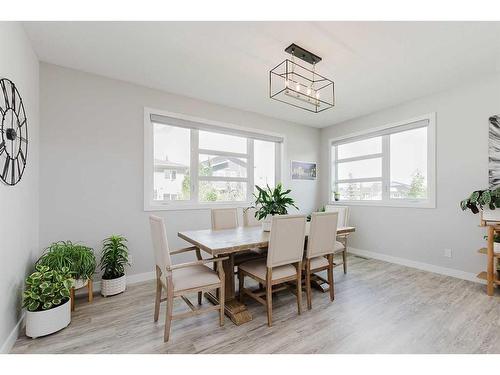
(343, 211)
(249, 219)
(322, 234)
(224, 218)
(286, 242)
(160, 243)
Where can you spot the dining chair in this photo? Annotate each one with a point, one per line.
(227, 218)
(249, 219)
(321, 245)
(178, 280)
(343, 221)
(283, 263)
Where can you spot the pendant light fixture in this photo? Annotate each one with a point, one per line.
(300, 85)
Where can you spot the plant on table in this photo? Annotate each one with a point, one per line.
(78, 258)
(479, 199)
(269, 202)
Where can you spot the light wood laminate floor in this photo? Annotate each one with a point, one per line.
(379, 308)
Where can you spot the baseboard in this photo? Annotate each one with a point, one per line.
(11, 339)
(418, 265)
(131, 279)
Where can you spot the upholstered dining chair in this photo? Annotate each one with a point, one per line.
(343, 221)
(249, 219)
(321, 245)
(283, 262)
(178, 280)
(227, 218)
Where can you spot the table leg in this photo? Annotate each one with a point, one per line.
(234, 309)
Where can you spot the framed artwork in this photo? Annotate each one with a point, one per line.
(494, 152)
(303, 170)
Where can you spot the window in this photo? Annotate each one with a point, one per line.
(392, 165)
(191, 163)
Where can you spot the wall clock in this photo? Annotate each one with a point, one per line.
(14, 133)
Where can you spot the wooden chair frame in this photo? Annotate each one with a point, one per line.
(171, 294)
(342, 238)
(309, 272)
(268, 284)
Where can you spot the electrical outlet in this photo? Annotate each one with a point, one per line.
(447, 253)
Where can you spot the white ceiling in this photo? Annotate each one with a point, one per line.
(374, 64)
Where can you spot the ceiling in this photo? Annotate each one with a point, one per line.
(375, 65)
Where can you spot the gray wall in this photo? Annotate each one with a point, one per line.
(462, 166)
(19, 203)
(92, 159)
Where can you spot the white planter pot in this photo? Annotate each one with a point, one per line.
(491, 215)
(266, 224)
(113, 286)
(80, 283)
(41, 323)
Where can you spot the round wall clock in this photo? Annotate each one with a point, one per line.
(14, 133)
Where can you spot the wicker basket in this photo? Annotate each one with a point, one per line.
(113, 286)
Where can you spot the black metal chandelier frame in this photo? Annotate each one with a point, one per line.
(287, 71)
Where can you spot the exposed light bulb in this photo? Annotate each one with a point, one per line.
(297, 87)
(317, 95)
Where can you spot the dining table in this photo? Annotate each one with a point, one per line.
(227, 243)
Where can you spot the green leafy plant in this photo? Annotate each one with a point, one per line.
(272, 201)
(114, 257)
(322, 209)
(481, 198)
(80, 259)
(47, 288)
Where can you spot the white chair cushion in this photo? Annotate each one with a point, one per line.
(193, 277)
(259, 268)
(339, 246)
(318, 262)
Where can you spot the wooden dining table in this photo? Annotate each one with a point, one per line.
(227, 243)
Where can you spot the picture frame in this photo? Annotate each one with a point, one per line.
(303, 170)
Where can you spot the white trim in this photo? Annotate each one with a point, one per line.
(10, 341)
(412, 123)
(418, 265)
(151, 205)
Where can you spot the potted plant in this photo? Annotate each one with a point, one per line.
(113, 262)
(336, 196)
(322, 209)
(80, 260)
(270, 202)
(484, 200)
(46, 299)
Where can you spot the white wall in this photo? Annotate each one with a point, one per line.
(462, 166)
(92, 159)
(19, 203)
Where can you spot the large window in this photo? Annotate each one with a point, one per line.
(191, 163)
(393, 165)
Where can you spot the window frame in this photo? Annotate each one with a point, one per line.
(385, 132)
(150, 204)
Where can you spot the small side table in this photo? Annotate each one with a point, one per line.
(90, 290)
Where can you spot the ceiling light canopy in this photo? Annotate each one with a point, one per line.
(301, 86)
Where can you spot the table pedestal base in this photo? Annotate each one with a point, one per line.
(234, 309)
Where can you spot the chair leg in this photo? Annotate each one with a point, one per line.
(330, 277)
(241, 285)
(344, 260)
(269, 297)
(170, 306)
(200, 298)
(308, 284)
(299, 287)
(158, 297)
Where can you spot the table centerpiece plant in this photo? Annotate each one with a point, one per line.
(270, 202)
